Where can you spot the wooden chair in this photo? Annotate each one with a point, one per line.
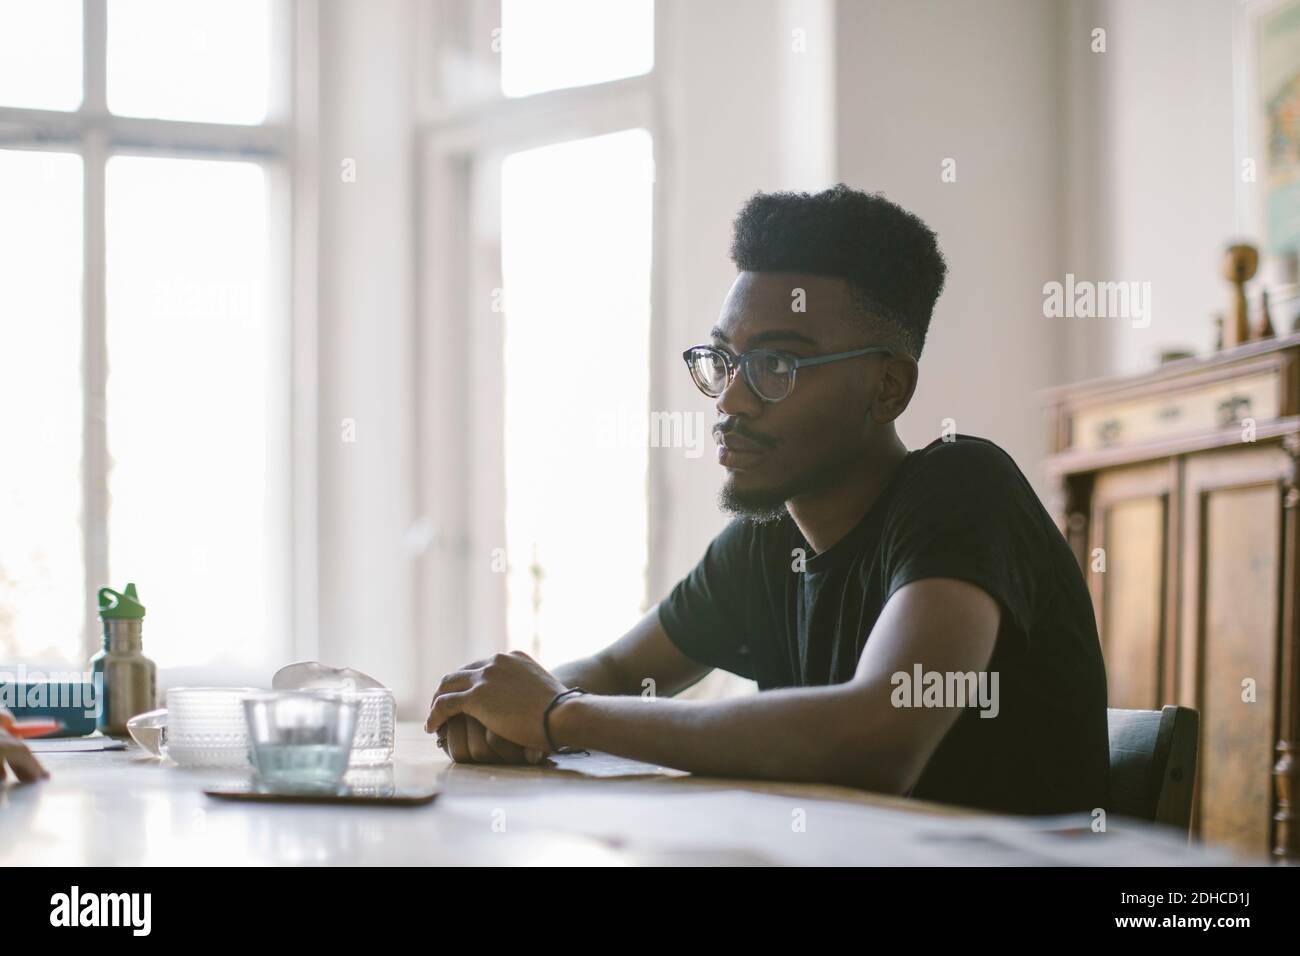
(1153, 764)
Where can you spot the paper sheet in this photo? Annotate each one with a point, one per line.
(62, 745)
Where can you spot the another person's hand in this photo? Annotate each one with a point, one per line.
(506, 694)
(14, 754)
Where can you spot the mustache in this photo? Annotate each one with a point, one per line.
(733, 426)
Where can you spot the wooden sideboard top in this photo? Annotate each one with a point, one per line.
(1099, 387)
(1245, 394)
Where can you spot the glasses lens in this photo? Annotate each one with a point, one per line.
(769, 374)
(709, 371)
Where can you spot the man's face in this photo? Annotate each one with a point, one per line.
(774, 452)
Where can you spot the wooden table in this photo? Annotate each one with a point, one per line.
(128, 808)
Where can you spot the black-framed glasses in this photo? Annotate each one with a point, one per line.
(769, 373)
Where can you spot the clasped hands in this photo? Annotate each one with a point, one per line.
(491, 711)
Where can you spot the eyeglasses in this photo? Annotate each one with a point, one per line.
(769, 373)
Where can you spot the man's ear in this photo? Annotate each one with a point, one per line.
(894, 388)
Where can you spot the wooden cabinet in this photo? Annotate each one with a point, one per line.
(1177, 492)
(1130, 531)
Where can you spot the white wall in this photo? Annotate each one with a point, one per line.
(921, 81)
(1155, 198)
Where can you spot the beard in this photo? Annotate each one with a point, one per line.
(767, 505)
(759, 505)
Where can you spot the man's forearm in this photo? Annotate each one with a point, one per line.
(812, 734)
(593, 673)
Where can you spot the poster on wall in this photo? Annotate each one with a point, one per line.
(1277, 70)
(1267, 65)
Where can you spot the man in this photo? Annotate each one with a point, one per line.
(914, 620)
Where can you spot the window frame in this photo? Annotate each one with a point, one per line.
(465, 126)
(281, 145)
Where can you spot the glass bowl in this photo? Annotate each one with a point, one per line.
(205, 727)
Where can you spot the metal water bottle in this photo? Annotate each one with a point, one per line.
(128, 678)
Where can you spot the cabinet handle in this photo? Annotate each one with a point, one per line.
(1231, 408)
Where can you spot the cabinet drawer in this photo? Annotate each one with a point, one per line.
(1218, 404)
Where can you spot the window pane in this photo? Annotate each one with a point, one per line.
(42, 591)
(40, 54)
(561, 43)
(195, 410)
(575, 250)
(200, 60)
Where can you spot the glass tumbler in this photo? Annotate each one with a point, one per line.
(300, 739)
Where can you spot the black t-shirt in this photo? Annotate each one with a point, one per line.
(954, 509)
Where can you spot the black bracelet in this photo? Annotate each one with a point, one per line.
(546, 721)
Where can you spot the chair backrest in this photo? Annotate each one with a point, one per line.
(1153, 763)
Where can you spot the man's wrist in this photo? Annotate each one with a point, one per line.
(567, 721)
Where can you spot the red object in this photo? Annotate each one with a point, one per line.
(37, 727)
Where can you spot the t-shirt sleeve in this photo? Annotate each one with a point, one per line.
(705, 614)
(970, 515)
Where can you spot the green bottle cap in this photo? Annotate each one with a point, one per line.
(120, 605)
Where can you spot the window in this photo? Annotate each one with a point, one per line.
(167, 62)
(42, 589)
(539, 165)
(144, 330)
(567, 43)
(189, 320)
(575, 258)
